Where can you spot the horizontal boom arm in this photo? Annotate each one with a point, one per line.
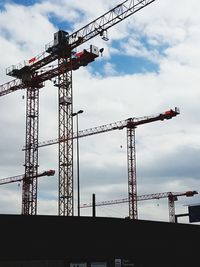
(131, 122)
(19, 178)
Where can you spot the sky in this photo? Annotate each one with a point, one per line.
(150, 64)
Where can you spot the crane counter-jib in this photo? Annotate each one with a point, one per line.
(37, 79)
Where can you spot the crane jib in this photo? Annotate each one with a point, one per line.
(106, 21)
(119, 125)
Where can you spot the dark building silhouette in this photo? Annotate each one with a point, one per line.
(55, 241)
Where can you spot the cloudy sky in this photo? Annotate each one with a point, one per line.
(150, 64)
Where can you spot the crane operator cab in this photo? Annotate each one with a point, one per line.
(60, 43)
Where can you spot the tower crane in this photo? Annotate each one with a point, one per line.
(33, 84)
(130, 124)
(172, 197)
(26, 74)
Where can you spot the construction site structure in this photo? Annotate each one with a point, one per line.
(19, 178)
(130, 124)
(31, 76)
(33, 82)
(172, 197)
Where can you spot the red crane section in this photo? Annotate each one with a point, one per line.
(47, 73)
(172, 197)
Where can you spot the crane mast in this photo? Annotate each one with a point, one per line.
(29, 187)
(61, 50)
(65, 126)
(131, 166)
(172, 197)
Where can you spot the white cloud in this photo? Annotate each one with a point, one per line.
(27, 29)
(136, 48)
(109, 69)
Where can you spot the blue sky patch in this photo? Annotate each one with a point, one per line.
(65, 25)
(145, 42)
(24, 2)
(125, 65)
(60, 24)
(160, 47)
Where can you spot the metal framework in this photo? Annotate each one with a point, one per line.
(171, 203)
(61, 50)
(33, 82)
(172, 197)
(130, 124)
(65, 201)
(100, 25)
(119, 125)
(47, 73)
(11, 87)
(19, 178)
(29, 187)
(131, 164)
